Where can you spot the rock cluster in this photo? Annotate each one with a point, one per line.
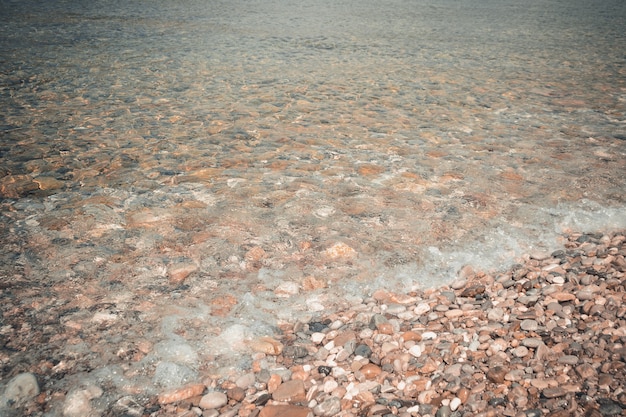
(545, 338)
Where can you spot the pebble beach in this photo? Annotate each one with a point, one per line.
(275, 208)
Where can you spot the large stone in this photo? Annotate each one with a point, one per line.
(21, 387)
(290, 391)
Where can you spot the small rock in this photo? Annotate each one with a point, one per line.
(444, 411)
(285, 411)
(213, 400)
(609, 407)
(20, 388)
(497, 374)
(245, 381)
(370, 371)
(290, 391)
(586, 371)
(236, 394)
(267, 345)
(568, 359)
(529, 325)
(78, 401)
(553, 392)
(473, 291)
(520, 351)
(455, 403)
(329, 407)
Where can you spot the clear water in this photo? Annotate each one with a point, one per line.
(294, 155)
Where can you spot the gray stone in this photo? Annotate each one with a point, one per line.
(329, 407)
(20, 388)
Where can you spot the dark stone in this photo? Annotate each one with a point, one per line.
(295, 352)
(497, 401)
(324, 370)
(263, 399)
(316, 326)
(609, 407)
(363, 350)
(496, 374)
(473, 291)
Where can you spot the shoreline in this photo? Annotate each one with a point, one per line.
(546, 337)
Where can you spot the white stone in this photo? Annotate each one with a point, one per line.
(416, 351)
(421, 308)
(330, 385)
(429, 336)
(317, 337)
(455, 403)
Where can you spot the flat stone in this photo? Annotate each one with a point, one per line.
(586, 371)
(529, 325)
(285, 411)
(290, 391)
(568, 359)
(553, 392)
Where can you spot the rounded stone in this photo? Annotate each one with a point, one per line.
(21, 387)
(213, 400)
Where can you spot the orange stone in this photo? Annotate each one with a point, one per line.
(180, 394)
(291, 391)
(370, 371)
(385, 328)
(410, 335)
(285, 411)
(273, 383)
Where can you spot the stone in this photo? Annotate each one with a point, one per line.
(285, 411)
(586, 371)
(20, 388)
(267, 345)
(213, 400)
(370, 371)
(179, 394)
(290, 391)
(455, 403)
(328, 408)
(245, 380)
(236, 394)
(529, 325)
(497, 374)
(553, 392)
(520, 351)
(78, 400)
(473, 291)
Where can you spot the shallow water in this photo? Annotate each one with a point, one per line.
(225, 166)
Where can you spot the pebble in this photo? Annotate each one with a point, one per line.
(19, 389)
(78, 401)
(213, 400)
(290, 391)
(328, 408)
